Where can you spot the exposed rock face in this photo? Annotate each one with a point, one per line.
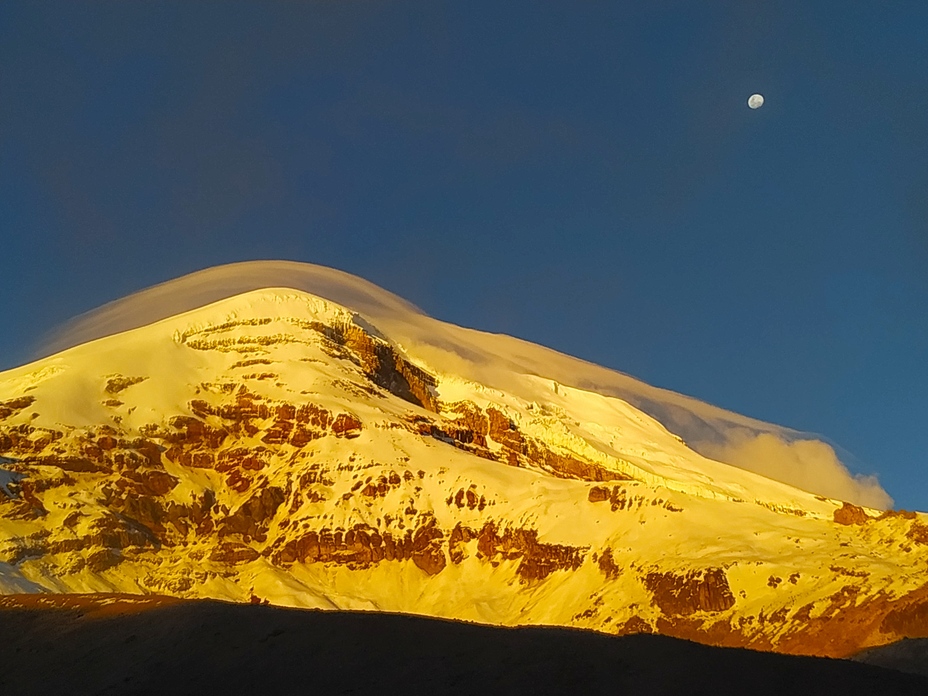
(251, 520)
(608, 566)
(14, 406)
(918, 533)
(536, 560)
(362, 546)
(682, 595)
(118, 383)
(346, 425)
(233, 553)
(384, 366)
(379, 487)
(850, 514)
(517, 449)
(524, 450)
(617, 497)
(504, 431)
(467, 499)
(620, 499)
(472, 419)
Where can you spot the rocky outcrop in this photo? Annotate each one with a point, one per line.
(196, 441)
(565, 466)
(383, 364)
(850, 514)
(504, 431)
(524, 450)
(70, 463)
(108, 531)
(23, 440)
(536, 560)
(469, 415)
(452, 434)
(252, 519)
(118, 383)
(166, 521)
(918, 533)
(686, 593)
(191, 431)
(11, 407)
(20, 509)
(233, 553)
(469, 427)
(362, 546)
(607, 565)
(378, 487)
(457, 542)
(346, 425)
(619, 499)
(468, 498)
(850, 619)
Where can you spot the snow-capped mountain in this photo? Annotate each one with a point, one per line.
(318, 442)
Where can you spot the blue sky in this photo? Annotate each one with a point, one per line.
(582, 175)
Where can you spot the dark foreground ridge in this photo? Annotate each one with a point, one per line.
(100, 644)
(908, 655)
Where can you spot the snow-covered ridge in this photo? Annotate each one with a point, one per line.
(600, 428)
(275, 445)
(495, 361)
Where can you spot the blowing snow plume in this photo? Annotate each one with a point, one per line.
(811, 465)
(496, 361)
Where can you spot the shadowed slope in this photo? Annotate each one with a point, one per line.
(909, 655)
(106, 644)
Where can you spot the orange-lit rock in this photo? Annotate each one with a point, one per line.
(346, 425)
(850, 514)
(685, 594)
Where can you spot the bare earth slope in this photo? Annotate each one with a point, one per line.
(276, 446)
(106, 644)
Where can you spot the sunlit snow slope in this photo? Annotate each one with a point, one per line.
(278, 446)
(494, 360)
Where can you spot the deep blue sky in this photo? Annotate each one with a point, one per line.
(583, 175)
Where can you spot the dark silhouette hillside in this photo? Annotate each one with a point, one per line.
(98, 644)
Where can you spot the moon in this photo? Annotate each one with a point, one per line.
(755, 101)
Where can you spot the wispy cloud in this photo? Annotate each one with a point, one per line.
(811, 465)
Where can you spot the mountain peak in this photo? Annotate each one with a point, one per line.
(281, 445)
(494, 360)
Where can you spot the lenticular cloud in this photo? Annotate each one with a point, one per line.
(491, 359)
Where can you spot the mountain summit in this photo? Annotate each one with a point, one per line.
(284, 433)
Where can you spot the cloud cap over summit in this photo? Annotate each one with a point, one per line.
(799, 459)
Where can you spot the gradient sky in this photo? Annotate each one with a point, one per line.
(582, 175)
